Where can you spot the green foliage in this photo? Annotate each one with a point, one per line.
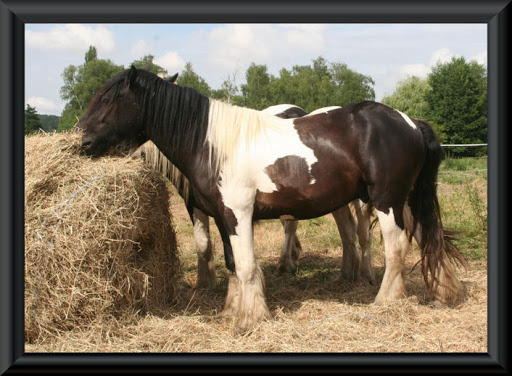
(256, 90)
(319, 85)
(49, 123)
(91, 54)
(462, 191)
(350, 86)
(69, 117)
(81, 84)
(462, 170)
(147, 63)
(458, 103)
(409, 97)
(32, 122)
(191, 79)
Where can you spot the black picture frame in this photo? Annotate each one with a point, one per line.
(15, 14)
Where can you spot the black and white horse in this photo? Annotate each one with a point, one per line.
(244, 164)
(354, 268)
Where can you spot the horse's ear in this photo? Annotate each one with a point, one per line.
(173, 79)
(132, 75)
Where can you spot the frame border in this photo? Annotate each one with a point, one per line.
(14, 15)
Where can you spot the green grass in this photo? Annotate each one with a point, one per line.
(463, 198)
(462, 170)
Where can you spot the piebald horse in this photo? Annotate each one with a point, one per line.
(244, 164)
(354, 268)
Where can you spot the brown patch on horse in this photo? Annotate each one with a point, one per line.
(289, 172)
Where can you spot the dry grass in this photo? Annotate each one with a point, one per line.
(99, 244)
(312, 310)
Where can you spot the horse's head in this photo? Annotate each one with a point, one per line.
(112, 120)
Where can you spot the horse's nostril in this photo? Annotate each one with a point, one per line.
(86, 143)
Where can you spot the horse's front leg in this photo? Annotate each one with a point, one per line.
(206, 277)
(246, 297)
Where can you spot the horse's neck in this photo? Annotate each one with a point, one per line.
(176, 121)
(179, 158)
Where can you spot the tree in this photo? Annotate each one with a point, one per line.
(458, 102)
(321, 84)
(32, 121)
(91, 54)
(191, 79)
(256, 90)
(147, 63)
(81, 84)
(228, 91)
(350, 86)
(49, 123)
(410, 97)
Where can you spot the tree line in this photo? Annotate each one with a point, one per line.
(453, 98)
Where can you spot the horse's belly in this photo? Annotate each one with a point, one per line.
(298, 203)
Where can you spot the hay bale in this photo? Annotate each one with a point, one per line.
(98, 237)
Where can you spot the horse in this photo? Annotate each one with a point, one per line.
(354, 268)
(244, 164)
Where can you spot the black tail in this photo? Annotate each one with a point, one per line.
(437, 247)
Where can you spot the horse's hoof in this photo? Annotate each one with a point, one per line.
(283, 269)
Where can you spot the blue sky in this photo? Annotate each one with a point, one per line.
(388, 53)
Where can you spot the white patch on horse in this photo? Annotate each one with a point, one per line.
(323, 110)
(407, 119)
(256, 142)
(268, 149)
(277, 109)
(283, 144)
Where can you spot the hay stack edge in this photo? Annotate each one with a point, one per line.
(99, 242)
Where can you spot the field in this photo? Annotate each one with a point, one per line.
(313, 311)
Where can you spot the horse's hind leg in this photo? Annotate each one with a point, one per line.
(206, 277)
(290, 253)
(396, 246)
(363, 213)
(350, 269)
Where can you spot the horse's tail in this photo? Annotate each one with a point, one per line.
(436, 243)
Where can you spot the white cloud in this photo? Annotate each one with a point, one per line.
(234, 44)
(141, 48)
(309, 37)
(44, 105)
(171, 61)
(481, 58)
(420, 70)
(443, 55)
(241, 44)
(71, 37)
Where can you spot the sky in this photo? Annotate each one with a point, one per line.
(389, 53)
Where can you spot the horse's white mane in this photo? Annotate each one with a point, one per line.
(231, 128)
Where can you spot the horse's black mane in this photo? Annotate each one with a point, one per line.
(178, 115)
